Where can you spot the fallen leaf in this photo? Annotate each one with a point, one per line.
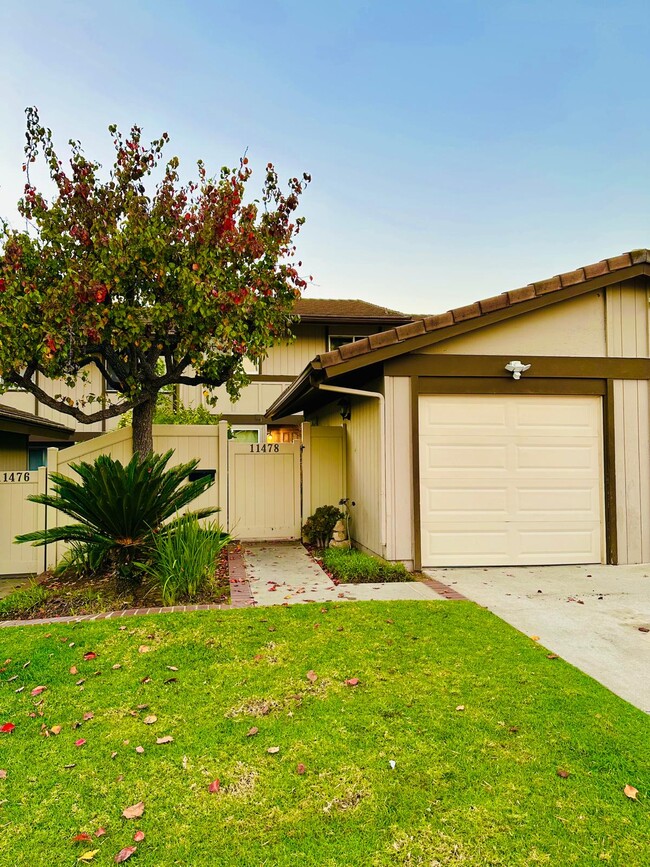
(150, 720)
(513, 729)
(144, 648)
(56, 730)
(90, 655)
(552, 656)
(135, 811)
(88, 856)
(79, 682)
(139, 750)
(38, 690)
(100, 832)
(146, 679)
(67, 767)
(171, 680)
(562, 773)
(124, 854)
(15, 677)
(312, 676)
(80, 742)
(534, 637)
(214, 786)
(7, 728)
(81, 838)
(252, 731)
(171, 668)
(143, 706)
(116, 666)
(74, 670)
(3, 774)
(20, 689)
(300, 768)
(352, 681)
(138, 837)
(631, 793)
(164, 740)
(644, 629)
(113, 754)
(89, 715)
(460, 707)
(273, 750)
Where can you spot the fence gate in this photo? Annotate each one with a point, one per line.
(264, 490)
(20, 516)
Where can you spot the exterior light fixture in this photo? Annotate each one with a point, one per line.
(516, 368)
(345, 409)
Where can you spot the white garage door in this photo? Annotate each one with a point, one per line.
(510, 480)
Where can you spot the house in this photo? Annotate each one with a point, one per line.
(25, 437)
(511, 431)
(323, 325)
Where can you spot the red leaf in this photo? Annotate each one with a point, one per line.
(214, 786)
(562, 773)
(82, 838)
(124, 854)
(80, 742)
(90, 655)
(300, 768)
(88, 715)
(38, 690)
(352, 681)
(100, 832)
(312, 676)
(138, 837)
(7, 727)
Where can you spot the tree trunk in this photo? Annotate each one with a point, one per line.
(143, 427)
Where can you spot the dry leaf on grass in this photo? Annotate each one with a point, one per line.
(562, 773)
(252, 731)
(3, 774)
(7, 728)
(56, 730)
(90, 655)
(273, 750)
(88, 856)
(150, 720)
(312, 676)
(124, 854)
(81, 838)
(80, 742)
(139, 750)
(135, 811)
(352, 681)
(144, 648)
(100, 832)
(630, 792)
(214, 786)
(300, 768)
(138, 837)
(167, 739)
(38, 690)
(460, 707)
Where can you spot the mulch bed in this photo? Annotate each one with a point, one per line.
(97, 594)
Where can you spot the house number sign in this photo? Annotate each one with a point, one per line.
(265, 448)
(15, 476)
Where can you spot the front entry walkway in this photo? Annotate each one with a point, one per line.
(595, 617)
(285, 574)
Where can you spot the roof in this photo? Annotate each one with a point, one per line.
(348, 310)
(413, 334)
(28, 419)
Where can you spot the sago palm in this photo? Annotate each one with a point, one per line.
(119, 508)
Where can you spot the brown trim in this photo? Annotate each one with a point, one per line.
(269, 377)
(415, 482)
(412, 344)
(259, 420)
(540, 366)
(483, 385)
(609, 459)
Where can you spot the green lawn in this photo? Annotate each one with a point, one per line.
(477, 786)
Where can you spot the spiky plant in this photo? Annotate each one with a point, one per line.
(119, 508)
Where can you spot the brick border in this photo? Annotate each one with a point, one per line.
(443, 589)
(240, 597)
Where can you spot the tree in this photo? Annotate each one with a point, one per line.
(112, 274)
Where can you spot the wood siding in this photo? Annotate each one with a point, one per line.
(13, 451)
(399, 470)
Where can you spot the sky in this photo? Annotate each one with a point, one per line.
(458, 148)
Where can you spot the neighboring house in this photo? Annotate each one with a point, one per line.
(24, 439)
(323, 325)
(454, 461)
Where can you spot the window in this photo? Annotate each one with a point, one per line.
(337, 340)
(37, 457)
(246, 434)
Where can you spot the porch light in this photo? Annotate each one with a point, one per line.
(516, 368)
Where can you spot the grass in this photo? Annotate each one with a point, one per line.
(357, 567)
(23, 601)
(477, 786)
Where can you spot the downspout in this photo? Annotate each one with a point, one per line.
(339, 389)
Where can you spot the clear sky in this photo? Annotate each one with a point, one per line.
(458, 148)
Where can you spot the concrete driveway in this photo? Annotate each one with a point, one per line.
(595, 617)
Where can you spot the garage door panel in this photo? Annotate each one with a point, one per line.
(523, 488)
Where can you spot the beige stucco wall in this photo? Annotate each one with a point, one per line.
(569, 328)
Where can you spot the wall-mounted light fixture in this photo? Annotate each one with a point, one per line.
(516, 368)
(345, 409)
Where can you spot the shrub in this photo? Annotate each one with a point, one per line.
(359, 568)
(184, 558)
(319, 526)
(119, 508)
